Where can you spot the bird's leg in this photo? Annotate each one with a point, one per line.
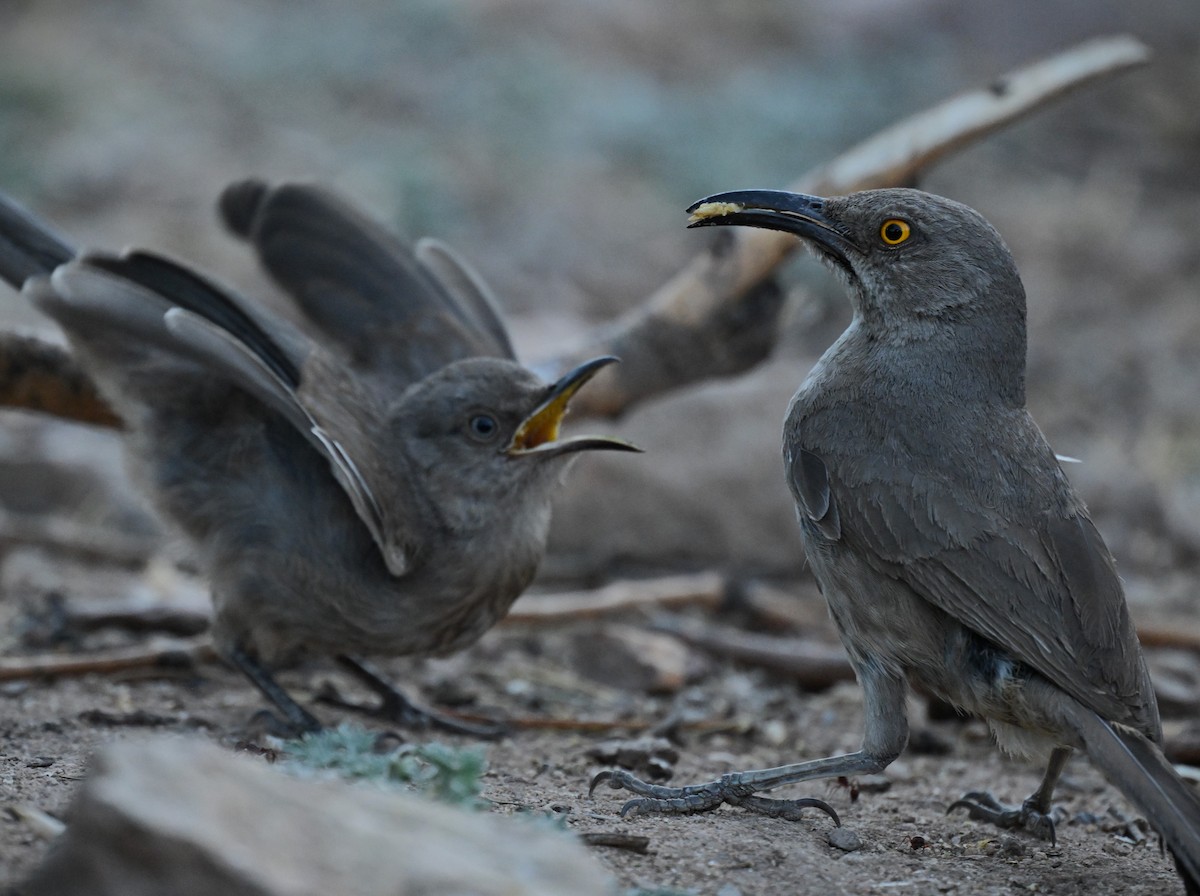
(884, 738)
(1033, 815)
(397, 708)
(296, 718)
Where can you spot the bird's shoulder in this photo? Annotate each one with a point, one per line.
(868, 433)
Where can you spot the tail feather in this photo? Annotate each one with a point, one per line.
(1135, 764)
(27, 246)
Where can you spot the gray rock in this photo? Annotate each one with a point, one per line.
(844, 839)
(187, 818)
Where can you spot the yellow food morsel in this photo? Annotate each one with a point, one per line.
(714, 210)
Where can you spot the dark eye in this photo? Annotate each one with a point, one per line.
(894, 231)
(483, 427)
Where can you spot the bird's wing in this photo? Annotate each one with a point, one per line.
(1041, 584)
(161, 303)
(472, 299)
(394, 312)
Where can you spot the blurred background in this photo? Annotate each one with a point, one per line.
(556, 144)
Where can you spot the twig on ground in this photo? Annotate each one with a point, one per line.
(70, 539)
(704, 589)
(815, 664)
(632, 842)
(159, 653)
(182, 612)
(797, 606)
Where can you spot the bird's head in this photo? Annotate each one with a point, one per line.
(484, 437)
(907, 255)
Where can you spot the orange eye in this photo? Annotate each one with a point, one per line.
(894, 231)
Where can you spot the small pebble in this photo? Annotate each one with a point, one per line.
(845, 839)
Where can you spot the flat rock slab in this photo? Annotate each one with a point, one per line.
(187, 818)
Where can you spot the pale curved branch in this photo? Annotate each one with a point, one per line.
(719, 315)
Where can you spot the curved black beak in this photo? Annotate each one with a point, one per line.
(797, 213)
(538, 433)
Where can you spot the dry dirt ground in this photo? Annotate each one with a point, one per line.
(730, 718)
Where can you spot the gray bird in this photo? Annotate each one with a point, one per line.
(376, 481)
(948, 543)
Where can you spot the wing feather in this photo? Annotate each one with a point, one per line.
(137, 295)
(361, 287)
(1040, 582)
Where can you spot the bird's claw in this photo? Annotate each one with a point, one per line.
(788, 810)
(697, 798)
(607, 775)
(982, 806)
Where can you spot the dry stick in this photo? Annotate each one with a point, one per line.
(713, 319)
(37, 375)
(37, 820)
(136, 615)
(705, 589)
(814, 664)
(797, 607)
(176, 606)
(188, 615)
(159, 654)
(67, 538)
(1180, 636)
(632, 842)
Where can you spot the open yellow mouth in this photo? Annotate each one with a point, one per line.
(538, 433)
(542, 426)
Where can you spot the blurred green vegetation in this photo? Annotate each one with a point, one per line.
(29, 112)
(448, 774)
